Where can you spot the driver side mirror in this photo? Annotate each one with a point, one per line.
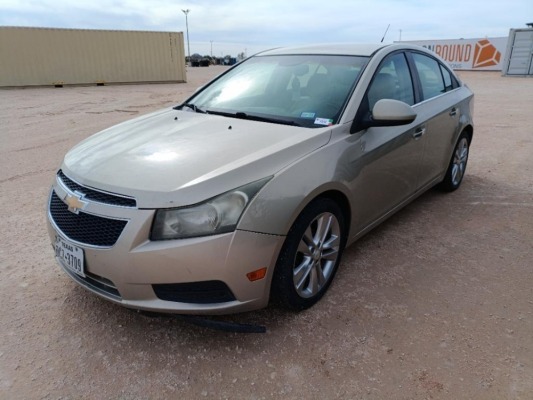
(388, 112)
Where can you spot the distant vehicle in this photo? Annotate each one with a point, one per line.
(251, 188)
(198, 61)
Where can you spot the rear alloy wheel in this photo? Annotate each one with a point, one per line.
(310, 255)
(457, 167)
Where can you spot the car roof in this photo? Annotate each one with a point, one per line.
(352, 49)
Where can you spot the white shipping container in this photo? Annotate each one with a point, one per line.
(519, 54)
(49, 56)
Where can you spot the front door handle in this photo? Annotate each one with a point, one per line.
(419, 132)
(453, 112)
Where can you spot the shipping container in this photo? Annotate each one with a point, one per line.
(49, 56)
(519, 54)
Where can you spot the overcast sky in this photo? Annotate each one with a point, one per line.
(236, 26)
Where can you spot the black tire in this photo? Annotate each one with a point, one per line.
(307, 264)
(457, 166)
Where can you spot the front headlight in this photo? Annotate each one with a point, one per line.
(218, 215)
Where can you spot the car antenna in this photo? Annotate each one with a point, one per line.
(385, 34)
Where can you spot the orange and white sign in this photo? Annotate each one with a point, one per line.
(468, 54)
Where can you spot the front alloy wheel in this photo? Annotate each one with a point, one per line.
(310, 255)
(317, 255)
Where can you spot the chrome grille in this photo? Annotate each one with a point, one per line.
(96, 195)
(85, 228)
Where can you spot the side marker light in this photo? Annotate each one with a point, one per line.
(256, 275)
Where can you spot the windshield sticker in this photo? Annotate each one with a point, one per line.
(323, 121)
(307, 115)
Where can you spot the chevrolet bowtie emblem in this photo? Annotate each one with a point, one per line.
(75, 202)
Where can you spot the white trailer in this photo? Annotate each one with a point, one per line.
(480, 54)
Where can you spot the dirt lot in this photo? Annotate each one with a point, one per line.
(436, 303)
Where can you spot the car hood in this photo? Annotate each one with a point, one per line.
(154, 157)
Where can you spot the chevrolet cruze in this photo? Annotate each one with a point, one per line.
(250, 189)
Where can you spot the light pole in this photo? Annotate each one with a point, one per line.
(186, 12)
(211, 49)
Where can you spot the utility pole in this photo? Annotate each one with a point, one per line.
(186, 12)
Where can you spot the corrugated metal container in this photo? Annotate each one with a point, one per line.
(46, 56)
(519, 55)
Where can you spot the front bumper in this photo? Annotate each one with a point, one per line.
(126, 272)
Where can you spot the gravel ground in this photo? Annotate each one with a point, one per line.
(435, 304)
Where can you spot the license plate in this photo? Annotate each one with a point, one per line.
(70, 255)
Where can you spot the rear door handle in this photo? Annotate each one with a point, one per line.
(453, 112)
(419, 132)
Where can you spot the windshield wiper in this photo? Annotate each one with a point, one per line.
(251, 117)
(192, 107)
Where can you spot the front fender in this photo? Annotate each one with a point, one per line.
(280, 202)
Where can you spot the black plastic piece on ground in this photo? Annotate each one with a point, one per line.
(223, 326)
(204, 322)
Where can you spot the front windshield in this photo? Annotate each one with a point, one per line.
(303, 90)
